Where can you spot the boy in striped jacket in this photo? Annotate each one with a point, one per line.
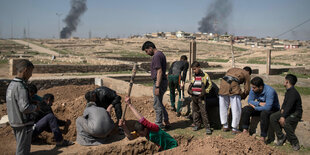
(201, 84)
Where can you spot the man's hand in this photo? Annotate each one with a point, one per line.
(262, 104)
(157, 91)
(282, 121)
(121, 123)
(252, 105)
(109, 108)
(127, 100)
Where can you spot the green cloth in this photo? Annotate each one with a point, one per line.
(163, 139)
(174, 84)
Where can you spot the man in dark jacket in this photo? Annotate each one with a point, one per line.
(45, 120)
(106, 97)
(289, 115)
(177, 81)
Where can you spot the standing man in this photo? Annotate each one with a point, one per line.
(158, 74)
(289, 115)
(176, 80)
(230, 93)
(19, 107)
(263, 101)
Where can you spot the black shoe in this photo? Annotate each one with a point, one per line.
(280, 142)
(195, 128)
(296, 147)
(208, 131)
(173, 109)
(178, 114)
(268, 141)
(64, 143)
(120, 131)
(167, 126)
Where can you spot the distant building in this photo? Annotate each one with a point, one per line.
(180, 34)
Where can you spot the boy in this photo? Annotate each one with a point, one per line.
(19, 107)
(200, 85)
(149, 130)
(45, 120)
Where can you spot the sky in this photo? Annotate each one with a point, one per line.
(116, 18)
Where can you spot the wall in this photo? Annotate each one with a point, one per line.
(46, 83)
(44, 68)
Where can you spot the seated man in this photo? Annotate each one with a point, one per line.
(36, 99)
(95, 124)
(149, 130)
(289, 115)
(45, 120)
(263, 101)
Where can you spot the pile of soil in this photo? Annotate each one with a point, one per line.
(240, 144)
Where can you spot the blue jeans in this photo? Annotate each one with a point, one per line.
(159, 108)
(48, 123)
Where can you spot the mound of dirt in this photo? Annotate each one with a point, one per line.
(240, 144)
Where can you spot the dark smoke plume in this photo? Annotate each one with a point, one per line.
(78, 7)
(216, 20)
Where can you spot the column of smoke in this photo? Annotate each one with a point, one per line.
(78, 7)
(216, 20)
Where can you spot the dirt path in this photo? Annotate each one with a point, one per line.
(37, 48)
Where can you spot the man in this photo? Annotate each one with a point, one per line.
(175, 80)
(95, 124)
(150, 131)
(108, 98)
(201, 85)
(230, 93)
(19, 107)
(263, 101)
(158, 74)
(45, 120)
(289, 115)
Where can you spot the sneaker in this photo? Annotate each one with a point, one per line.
(226, 129)
(234, 132)
(296, 147)
(280, 142)
(195, 128)
(178, 114)
(64, 143)
(269, 141)
(208, 131)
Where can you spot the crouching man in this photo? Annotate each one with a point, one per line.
(149, 130)
(289, 115)
(95, 124)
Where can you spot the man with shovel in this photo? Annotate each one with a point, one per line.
(176, 80)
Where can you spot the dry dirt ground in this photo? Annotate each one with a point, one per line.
(70, 103)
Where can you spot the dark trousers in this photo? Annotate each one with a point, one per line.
(213, 112)
(248, 112)
(199, 112)
(48, 123)
(174, 84)
(289, 127)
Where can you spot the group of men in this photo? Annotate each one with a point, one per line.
(29, 114)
